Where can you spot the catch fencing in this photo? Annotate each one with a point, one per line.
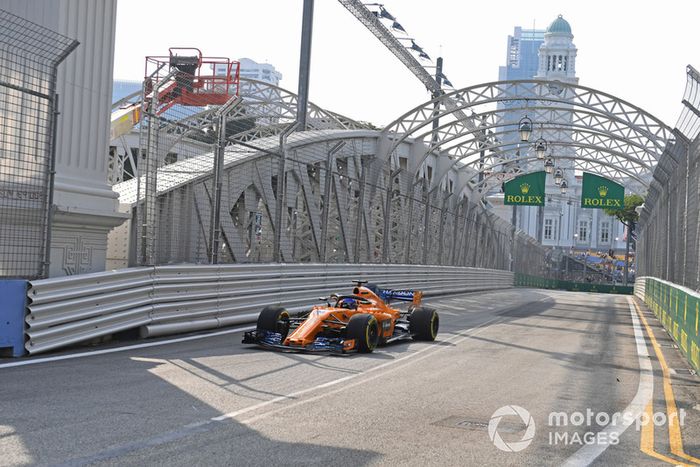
(29, 58)
(668, 245)
(171, 299)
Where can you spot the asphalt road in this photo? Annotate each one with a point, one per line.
(214, 401)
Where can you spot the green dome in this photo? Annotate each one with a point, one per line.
(559, 25)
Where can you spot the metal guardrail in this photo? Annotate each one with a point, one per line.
(640, 287)
(678, 310)
(169, 299)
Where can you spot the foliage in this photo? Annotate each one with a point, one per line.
(628, 215)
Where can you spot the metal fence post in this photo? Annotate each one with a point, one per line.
(281, 187)
(215, 229)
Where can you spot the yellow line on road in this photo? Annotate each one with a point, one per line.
(674, 429)
(646, 442)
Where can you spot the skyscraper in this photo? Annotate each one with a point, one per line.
(522, 60)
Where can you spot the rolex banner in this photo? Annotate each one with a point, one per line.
(525, 190)
(601, 193)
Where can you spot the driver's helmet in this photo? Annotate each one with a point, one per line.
(349, 303)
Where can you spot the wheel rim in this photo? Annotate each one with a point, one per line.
(372, 334)
(434, 323)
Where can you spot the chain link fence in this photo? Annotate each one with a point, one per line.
(669, 225)
(29, 58)
(335, 206)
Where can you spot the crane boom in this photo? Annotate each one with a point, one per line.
(371, 22)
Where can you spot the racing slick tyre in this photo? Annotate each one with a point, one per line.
(364, 328)
(424, 324)
(274, 319)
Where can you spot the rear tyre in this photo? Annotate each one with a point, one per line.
(424, 324)
(364, 329)
(274, 319)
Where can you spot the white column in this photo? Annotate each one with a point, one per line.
(85, 205)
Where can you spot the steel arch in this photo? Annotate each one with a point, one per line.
(587, 107)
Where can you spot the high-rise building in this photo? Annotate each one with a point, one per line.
(259, 71)
(522, 60)
(561, 224)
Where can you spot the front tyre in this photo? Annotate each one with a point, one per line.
(424, 324)
(364, 329)
(274, 319)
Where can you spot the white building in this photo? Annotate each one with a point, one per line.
(259, 71)
(562, 223)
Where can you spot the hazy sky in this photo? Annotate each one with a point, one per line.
(636, 50)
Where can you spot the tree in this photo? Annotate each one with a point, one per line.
(628, 215)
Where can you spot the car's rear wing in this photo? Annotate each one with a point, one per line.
(402, 295)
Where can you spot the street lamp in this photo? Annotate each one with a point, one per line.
(540, 148)
(549, 165)
(558, 176)
(525, 128)
(563, 185)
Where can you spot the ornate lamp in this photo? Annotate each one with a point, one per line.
(558, 176)
(549, 165)
(563, 186)
(525, 128)
(540, 147)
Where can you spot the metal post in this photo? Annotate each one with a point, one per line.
(327, 196)
(386, 246)
(436, 106)
(360, 210)
(455, 229)
(305, 62)
(513, 220)
(52, 177)
(442, 228)
(630, 228)
(409, 224)
(215, 227)
(426, 225)
(281, 187)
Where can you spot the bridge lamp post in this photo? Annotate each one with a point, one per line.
(525, 129)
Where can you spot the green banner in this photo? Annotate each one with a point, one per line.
(525, 190)
(601, 193)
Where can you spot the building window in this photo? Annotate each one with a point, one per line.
(548, 229)
(583, 230)
(605, 232)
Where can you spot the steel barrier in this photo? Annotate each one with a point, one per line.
(169, 299)
(678, 310)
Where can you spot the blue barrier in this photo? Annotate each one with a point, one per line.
(13, 304)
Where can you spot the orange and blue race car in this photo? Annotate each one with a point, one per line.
(357, 322)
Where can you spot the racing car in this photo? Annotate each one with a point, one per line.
(357, 322)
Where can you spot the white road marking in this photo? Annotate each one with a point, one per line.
(92, 353)
(455, 339)
(203, 426)
(587, 454)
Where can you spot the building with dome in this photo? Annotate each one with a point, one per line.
(561, 224)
